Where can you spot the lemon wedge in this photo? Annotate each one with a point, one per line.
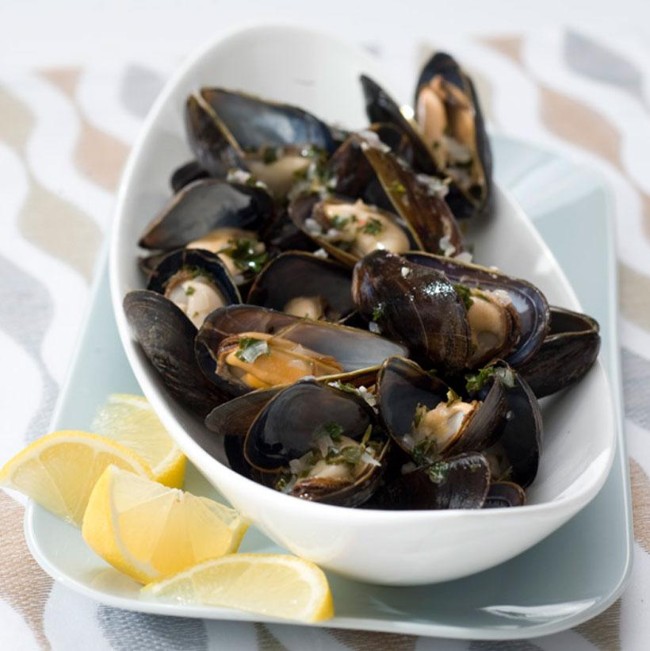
(149, 531)
(60, 469)
(130, 420)
(276, 585)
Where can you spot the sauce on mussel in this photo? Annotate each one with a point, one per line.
(261, 360)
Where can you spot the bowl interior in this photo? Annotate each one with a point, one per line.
(320, 74)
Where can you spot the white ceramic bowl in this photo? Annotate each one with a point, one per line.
(320, 73)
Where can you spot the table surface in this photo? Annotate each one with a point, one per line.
(76, 81)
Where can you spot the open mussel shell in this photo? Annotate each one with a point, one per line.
(195, 280)
(449, 115)
(304, 285)
(348, 229)
(355, 351)
(364, 167)
(186, 174)
(458, 482)
(166, 336)
(289, 425)
(204, 206)
(313, 423)
(568, 351)
(404, 388)
(382, 108)
(528, 301)
(271, 140)
(515, 455)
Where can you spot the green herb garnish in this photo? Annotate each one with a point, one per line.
(372, 227)
(465, 294)
(438, 472)
(339, 221)
(189, 290)
(270, 155)
(475, 382)
(378, 311)
(397, 187)
(250, 349)
(333, 430)
(248, 255)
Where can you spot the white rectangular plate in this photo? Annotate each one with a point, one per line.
(566, 579)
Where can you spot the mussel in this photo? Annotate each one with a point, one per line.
(273, 141)
(245, 347)
(453, 314)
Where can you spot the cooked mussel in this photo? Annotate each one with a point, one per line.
(247, 347)
(203, 207)
(429, 420)
(349, 229)
(454, 315)
(321, 443)
(449, 115)
(273, 141)
(304, 285)
(197, 281)
(482, 285)
(364, 167)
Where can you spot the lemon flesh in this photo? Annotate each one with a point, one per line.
(59, 470)
(274, 585)
(149, 531)
(130, 420)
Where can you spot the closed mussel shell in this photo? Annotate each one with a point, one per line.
(528, 301)
(568, 351)
(458, 482)
(416, 304)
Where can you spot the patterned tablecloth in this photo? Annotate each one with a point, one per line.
(76, 82)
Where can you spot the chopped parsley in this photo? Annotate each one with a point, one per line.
(465, 294)
(438, 472)
(476, 381)
(397, 187)
(189, 290)
(372, 227)
(248, 255)
(340, 221)
(378, 311)
(271, 154)
(250, 349)
(333, 430)
(425, 452)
